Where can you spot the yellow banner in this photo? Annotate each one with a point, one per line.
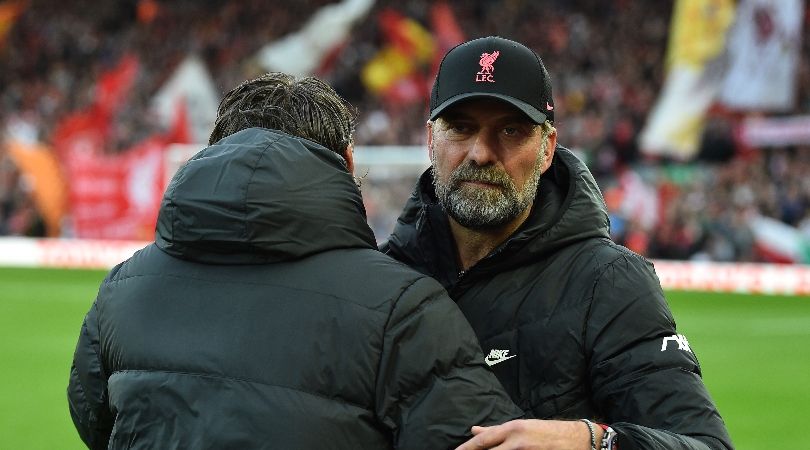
(698, 31)
(39, 164)
(697, 37)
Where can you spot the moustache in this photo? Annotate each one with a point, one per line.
(486, 174)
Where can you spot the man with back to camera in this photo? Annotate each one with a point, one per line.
(575, 327)
(263, 315)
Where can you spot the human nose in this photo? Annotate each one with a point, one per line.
(482, 152)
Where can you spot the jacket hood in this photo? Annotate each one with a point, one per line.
(261, 196)
(569, 207)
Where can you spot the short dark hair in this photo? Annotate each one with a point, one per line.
(305, 107)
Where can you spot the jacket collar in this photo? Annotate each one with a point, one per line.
(569, 207)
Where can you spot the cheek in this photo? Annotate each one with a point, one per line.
(446, 157)
(441, 168)
(522, 169)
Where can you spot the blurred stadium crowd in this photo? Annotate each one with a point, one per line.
(606, 59)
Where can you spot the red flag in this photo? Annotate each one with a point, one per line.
(117, 196)
(114, 85)
(87, 131)
(81, 133)
(397, 71)
(180, 131)
(407, 36)
(446, 31)
(113, 196)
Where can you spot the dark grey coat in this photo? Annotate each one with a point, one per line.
(264, 317)
(583, 319)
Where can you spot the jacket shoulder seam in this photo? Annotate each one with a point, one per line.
(262, 152)
(243, 379)
(253, 283)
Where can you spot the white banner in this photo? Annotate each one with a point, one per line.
(781, 241)
(771, 279)
(301, 53)
(775, 131)
(779, 279)
(763, 48)
(191, 83)
(675, 125)
(66, 253)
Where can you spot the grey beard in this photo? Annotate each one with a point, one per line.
(484, 208)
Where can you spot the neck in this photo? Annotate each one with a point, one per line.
(474, 245)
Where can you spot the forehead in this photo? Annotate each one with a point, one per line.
(484, 108)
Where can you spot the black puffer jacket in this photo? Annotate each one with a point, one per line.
(264, 317)
(584, 323)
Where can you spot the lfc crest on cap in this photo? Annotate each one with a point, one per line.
(486, 61)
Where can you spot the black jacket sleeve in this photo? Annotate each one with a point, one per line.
(433, 384)
(645, 378)
(87, 388)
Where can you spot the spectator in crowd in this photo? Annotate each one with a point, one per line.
(264, 316)
(515, 228)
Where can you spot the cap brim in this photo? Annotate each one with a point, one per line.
(533, 113)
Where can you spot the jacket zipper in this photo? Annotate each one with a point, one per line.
(464, 273)
(453, 291)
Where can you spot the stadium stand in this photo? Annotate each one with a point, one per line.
(608, 60)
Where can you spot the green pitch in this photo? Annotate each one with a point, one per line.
(41, 312)
(754, 350)
(755, 355)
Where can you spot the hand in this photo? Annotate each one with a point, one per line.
(532, 434)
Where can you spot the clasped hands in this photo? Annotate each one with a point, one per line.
(533, 434)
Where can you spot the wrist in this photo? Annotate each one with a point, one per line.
(591, 431)
(608, 438)
(595, 432)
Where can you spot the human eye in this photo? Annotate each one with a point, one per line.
(511, 131)
(458, 128)
(517, 130)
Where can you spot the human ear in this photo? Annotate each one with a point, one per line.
(349, 157)
(429, 130)
(551, 144)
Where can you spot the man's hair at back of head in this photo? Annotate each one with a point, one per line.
(306, 107)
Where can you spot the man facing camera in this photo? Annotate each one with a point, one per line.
(516, 230)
